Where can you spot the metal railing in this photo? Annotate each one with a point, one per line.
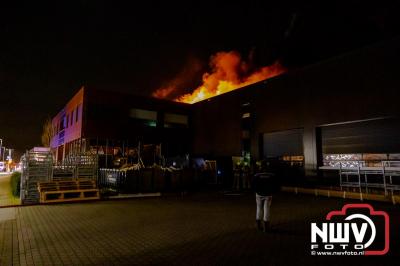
(360, 174)
(154, 179)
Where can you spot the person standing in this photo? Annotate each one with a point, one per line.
(246, 176)
(264, 185)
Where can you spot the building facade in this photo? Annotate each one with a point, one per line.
(108, 123)
(346, 107)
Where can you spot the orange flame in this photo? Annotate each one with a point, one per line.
(229, 72)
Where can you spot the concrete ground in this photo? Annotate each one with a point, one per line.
(6, 199)
(202, 229)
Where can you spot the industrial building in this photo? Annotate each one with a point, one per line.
(345, 107)
(348, 105)
(105, 123)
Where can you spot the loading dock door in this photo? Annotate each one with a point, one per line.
(283, 143)
(378, 136)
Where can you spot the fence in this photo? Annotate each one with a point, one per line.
(358, 174)
(155, 179)
(38, 167)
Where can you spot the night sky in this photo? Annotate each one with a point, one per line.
(48, 50)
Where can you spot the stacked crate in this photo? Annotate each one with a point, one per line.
(37, 166)
(83, 165)
(63, 173)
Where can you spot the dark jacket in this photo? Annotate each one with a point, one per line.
(265, 184)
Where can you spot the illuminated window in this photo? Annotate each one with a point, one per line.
(246, 115)
(62, 123)
(358, 159)
(143, 114)
(150, 123)
(144, 117)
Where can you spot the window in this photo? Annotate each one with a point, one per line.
(143, 114)
(72, 116)
(150, 123)
(78, 110)
(246, 115)
(175, 120)
(145, 117)
(358, 159)
(62, 122)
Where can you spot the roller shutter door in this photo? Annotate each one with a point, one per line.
(283, 143)
(378, 136)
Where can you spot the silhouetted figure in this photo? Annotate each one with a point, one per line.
(264, 185)
(237, 174)
(246, 176)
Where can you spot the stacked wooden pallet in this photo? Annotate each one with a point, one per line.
(69, 190)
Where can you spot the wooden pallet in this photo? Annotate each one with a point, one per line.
(71, 190)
